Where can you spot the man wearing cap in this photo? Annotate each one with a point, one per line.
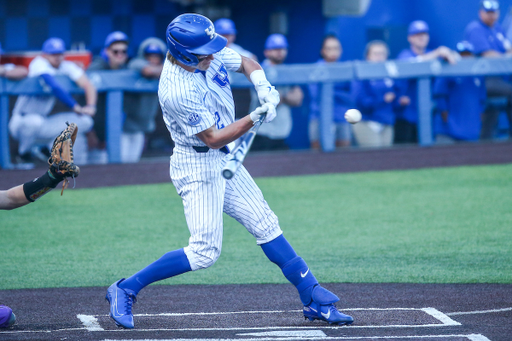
(31, 123)
(226, 28)
(488, 40)
(114, 56)
(141, 108)
(460, 102)
(11, 71)
(272, 136)
(406, 130)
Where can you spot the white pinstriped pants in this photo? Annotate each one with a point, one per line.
(206, 195)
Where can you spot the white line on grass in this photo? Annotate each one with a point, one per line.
(479, 312)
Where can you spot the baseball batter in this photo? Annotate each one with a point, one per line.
(195, 96)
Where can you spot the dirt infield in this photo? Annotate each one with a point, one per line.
(455, 312)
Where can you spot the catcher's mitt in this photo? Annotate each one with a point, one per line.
(61, 159)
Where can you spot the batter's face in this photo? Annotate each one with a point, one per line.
(117, 54)
(276, 56)
(204, 62)
(54, 59)
(377, 53)
(331, 50)
(489, 18)
(419, 40)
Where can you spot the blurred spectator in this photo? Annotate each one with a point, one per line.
(31, 123)
(406, 130)
(272, 136)
(377, 99)
(331, 52)
(114, 56)
(488, 40)
(460, 102)
(141, 108)
(226, 28)
(12, 71)
(242, 96)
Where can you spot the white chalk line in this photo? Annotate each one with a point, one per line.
(470, 337)
(479, 312)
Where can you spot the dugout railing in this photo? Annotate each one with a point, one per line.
(115, 83)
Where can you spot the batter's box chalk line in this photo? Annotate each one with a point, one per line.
(92, 324)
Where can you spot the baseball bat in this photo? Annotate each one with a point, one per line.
(237, 156)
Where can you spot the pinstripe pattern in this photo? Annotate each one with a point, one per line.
(191, 103)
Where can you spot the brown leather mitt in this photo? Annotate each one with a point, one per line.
(61, 159)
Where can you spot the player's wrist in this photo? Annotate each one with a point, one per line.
(259, 80)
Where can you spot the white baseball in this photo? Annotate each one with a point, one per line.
(353, 116)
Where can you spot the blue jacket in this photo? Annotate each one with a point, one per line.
(342, 100)
(464, 99)
(369, 98)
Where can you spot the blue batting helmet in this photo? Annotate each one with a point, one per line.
(190, 35)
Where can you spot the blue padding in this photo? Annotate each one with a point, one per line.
(323, 296)
(298, 273)
(279, 251)
(58, 91)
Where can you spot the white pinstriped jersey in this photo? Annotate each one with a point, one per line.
(193, 102)
(43, 104)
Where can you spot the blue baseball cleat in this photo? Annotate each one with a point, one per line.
(121, 301)
(321, 307)
(7, 317)
(327, 313)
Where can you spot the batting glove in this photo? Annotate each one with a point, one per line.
(266, 108)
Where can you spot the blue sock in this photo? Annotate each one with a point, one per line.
(294, 268)
(171, 264)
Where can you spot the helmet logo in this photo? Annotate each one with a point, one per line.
(210, 31)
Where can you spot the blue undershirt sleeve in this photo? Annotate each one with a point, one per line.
(58, 91)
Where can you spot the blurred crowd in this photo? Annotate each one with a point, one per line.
(388, 106)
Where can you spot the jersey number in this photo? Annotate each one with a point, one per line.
(221, 77)
(217, 121)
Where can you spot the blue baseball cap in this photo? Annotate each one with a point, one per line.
(276, 41)
(54, 46)
(418, 26)
(464, 46)
(224, 26)
(115, 37)
(490, 5)
(153, 48)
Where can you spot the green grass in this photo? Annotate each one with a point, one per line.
(446, 225)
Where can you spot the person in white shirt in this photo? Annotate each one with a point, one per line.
(31, 123)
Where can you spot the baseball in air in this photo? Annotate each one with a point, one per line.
(353, 116)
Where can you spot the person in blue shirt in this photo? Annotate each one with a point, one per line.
(331, 52)
(406, 130)
(377, 99)
(488, 40)
(460, 102)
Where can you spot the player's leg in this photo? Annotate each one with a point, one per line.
(25, 130)
(244, 202)
(132, 145)
(202, 192)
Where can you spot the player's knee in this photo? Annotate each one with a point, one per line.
(85, 123)
(31, 124)
(202, 259)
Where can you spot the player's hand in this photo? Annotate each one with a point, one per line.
(266, 108)
(89, 110)
(268, 94)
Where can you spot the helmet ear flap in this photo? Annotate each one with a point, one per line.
(180, 53)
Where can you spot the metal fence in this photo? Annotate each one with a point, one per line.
(115, 83)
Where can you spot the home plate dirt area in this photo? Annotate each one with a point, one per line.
(454, 312)
(382, 311)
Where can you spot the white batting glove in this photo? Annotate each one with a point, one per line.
(266, 92)
(266, 108)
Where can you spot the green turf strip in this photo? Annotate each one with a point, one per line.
(447, 225)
